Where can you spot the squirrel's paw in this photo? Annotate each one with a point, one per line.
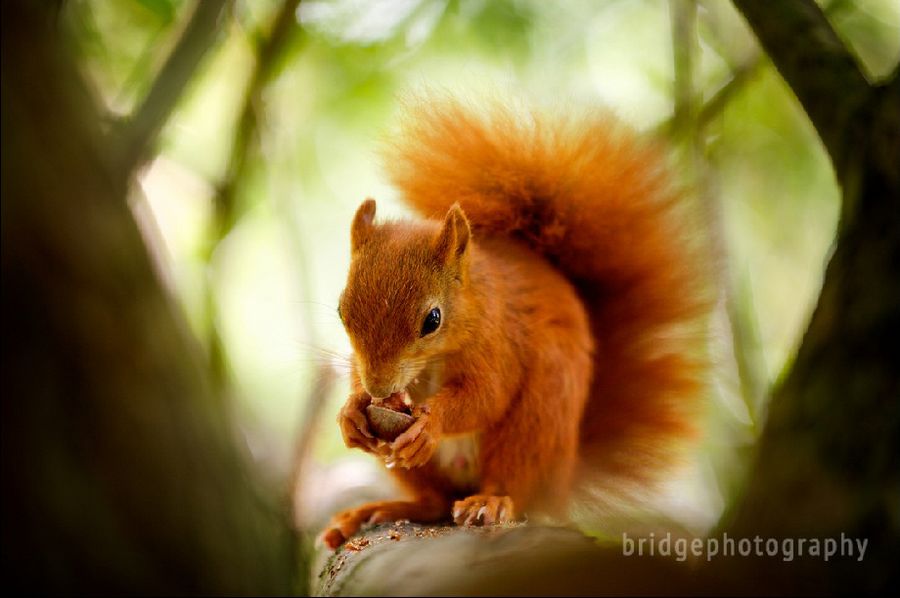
(415, 446)
(342, 526)
(354, 425)
(346, 523)
(330, 538)
(483, 509)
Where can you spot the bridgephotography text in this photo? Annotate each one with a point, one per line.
(787, 549)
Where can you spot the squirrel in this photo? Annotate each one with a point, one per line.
(545, 318)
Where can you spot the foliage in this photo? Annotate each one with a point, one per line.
(262, 291)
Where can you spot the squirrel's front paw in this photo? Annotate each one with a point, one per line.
(355, 426)
(483, 509)
(415, 446)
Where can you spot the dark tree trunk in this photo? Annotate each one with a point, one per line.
(829, 458)
(121, 472)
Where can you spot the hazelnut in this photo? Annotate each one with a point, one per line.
(390, 417)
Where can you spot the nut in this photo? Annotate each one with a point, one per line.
(387, 423)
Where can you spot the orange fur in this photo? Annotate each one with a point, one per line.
(571, 294)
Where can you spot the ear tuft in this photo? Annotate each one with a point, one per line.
(363, 224)
(453, 240)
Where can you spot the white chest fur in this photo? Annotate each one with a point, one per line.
(457, 459)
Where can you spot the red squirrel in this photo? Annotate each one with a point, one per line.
(544, 318)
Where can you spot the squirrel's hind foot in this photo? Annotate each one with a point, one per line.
(347, 523)
(484, 509)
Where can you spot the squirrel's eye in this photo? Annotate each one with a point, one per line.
(340, 315)
(432, 321)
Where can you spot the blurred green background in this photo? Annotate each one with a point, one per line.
(260, 284)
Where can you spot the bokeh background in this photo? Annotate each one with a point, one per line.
(247, 201)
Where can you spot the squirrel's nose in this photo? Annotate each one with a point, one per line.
(378, 381)
(378, 390)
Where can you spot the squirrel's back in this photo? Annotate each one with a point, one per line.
(598, 202)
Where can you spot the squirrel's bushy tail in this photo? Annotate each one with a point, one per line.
(596, 200)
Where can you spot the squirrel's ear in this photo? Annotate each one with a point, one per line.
(363, 223)
(453, 240)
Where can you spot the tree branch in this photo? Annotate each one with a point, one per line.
(225, 213)
(138, 134)
(686, 130)
(248, 121)
(684, 50)
(743, 74)
(740, 77)
(815, 64)
(307, 426)
(532, 560)
(386, 560)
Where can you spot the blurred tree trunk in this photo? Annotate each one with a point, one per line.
(828, 461)
(121, 473)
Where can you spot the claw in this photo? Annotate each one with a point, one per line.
(470, 519)
(480, 509)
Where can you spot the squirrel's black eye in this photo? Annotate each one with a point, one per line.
(432, 321)
(340, 315)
